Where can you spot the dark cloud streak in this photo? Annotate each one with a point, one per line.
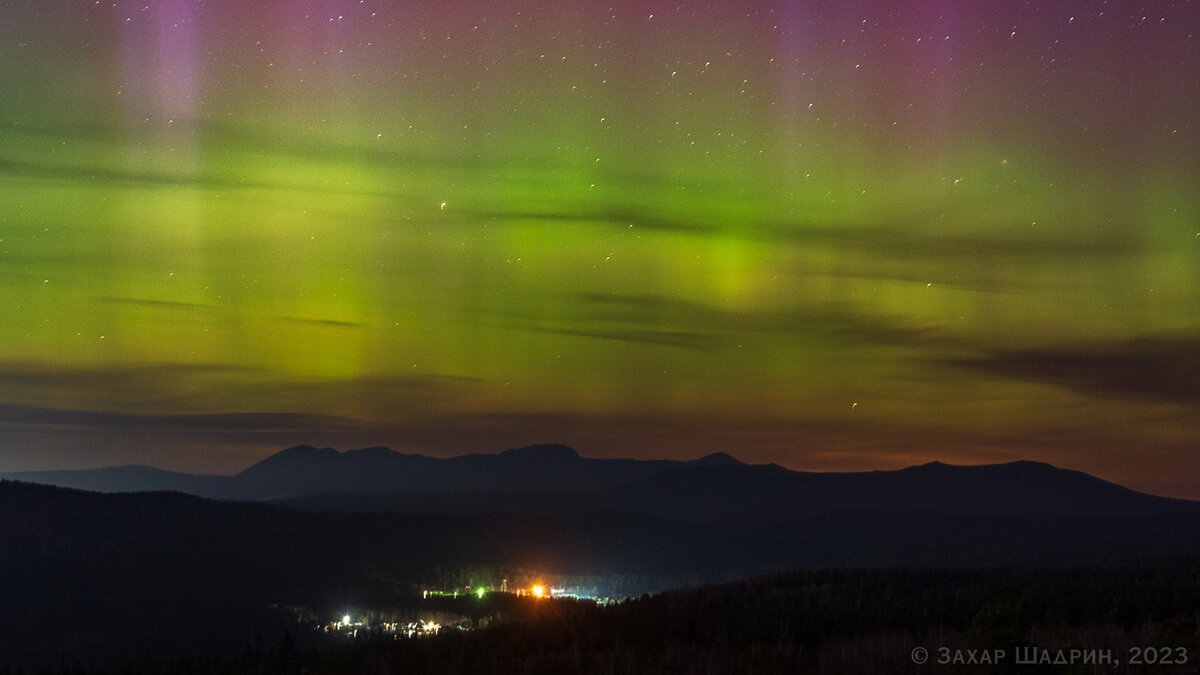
(327, 323)
(1162, 369)
(159, 304)
(214, 422)
(664, 338)
(820, 320)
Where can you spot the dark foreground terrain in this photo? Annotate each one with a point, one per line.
(105, 579)
(843, 621)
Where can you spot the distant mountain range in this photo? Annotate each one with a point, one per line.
(555, 480)
(120, 571)
(305, 470)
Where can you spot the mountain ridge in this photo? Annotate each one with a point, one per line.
(550, 479)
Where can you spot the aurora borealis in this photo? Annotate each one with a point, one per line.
(832, 235)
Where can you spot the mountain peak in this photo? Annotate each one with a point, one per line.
(295, 456)
(374, 452)
(542, 453)
(718, 459)
(1032, 464)
(1018, 464)
(932, 465)
(304, 452)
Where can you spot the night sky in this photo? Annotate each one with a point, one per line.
(831, 234)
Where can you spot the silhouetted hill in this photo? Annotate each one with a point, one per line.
(96, 576)
(716, 459)
(1015, 490)
(119, 572)
(306, 469)
(542, 453)
(554, 479)
(130, 478)
(725, 490)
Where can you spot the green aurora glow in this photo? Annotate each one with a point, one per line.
(826, 236)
